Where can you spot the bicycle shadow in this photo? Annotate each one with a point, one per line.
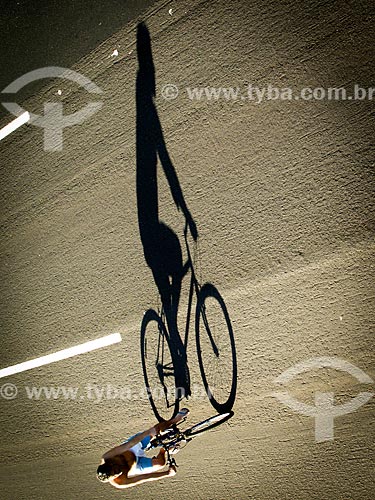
(163, 254)
(161, 245)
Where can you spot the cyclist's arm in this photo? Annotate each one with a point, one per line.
(127, 482)
(118, 450)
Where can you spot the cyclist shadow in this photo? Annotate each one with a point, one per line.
(161, 246)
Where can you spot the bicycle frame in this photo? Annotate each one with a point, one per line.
(172, 362)
(194, 287)
(173, 436)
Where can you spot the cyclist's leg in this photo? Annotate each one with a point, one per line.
(160, 460)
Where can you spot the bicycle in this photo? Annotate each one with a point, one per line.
(215, 349)
(173, 439)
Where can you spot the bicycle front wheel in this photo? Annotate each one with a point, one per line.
(216, 349)
(210, 423)
(157, 364)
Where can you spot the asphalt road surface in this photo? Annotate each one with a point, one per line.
(282, 194)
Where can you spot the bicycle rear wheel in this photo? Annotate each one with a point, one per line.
(210, 423)
(157, 365)
(216, 349)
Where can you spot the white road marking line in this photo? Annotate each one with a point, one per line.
(114, 338)
(14, 125)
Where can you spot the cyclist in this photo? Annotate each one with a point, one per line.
(126, 465)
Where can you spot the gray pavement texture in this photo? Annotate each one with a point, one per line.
(283, 197)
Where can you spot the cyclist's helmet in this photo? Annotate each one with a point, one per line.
(104, 472)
